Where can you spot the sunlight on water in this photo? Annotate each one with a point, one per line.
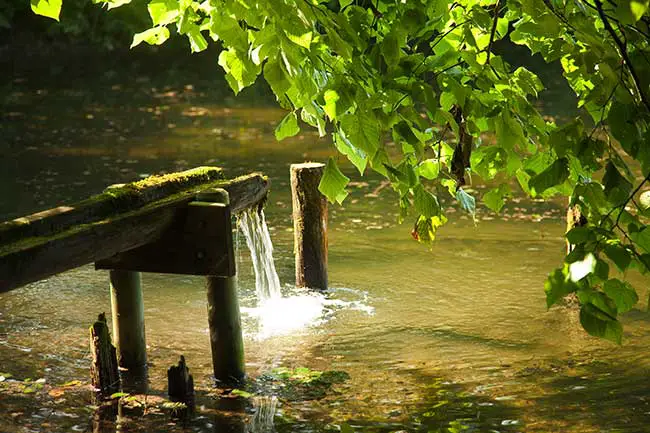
(267, 284)
(301, 309)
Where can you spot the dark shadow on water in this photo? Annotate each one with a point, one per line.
(596, 395)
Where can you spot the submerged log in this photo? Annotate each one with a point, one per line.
(44, 244)
(103, 369)
(309, 225)
(180, 383)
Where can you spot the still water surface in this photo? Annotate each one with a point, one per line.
(451, 338)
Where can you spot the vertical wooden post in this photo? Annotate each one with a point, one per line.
(128, 327)
(574, 218)
(103, 368)
(224, 319)
(309, 225)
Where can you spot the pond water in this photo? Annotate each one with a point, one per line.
(449, 338)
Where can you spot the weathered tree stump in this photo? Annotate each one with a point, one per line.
(309, 225)
(574, 218)
(103, 369)
(180, 383)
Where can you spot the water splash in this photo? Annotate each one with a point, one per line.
(262, 421)
(267, 284)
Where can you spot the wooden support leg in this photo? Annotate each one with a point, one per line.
(309, 225)
(224, 319)
(225, 330)
(128, 327)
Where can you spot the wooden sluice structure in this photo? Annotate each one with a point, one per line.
(178, 223)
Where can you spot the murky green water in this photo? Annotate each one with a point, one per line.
(452, 338)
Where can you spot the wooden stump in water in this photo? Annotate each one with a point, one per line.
(180, 383)
(574, 218)
(309, 225)
(103, 369)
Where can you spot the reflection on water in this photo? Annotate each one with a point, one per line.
(264, 411)
(448, 339)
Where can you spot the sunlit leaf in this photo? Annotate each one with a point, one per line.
(333, 183)
(47, 8)
(288, 127)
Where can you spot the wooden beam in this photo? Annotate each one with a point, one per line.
(60, 245)
(114, 199)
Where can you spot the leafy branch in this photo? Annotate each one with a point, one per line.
(623, 51)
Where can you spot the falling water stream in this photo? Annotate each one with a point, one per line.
(267, 283)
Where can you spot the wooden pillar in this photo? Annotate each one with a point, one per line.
(309, 225)
(224, 319)
(104, 374)
(574, 218)
(128, 327)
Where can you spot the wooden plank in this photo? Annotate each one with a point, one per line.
(114, 199)
(34, 258)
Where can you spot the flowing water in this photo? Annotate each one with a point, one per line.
(449, 338)
(267, 283)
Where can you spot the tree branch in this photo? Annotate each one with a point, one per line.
(494, 30)
(623, 49)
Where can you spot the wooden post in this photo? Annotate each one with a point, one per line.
(128, 327)
(180, 383)
(224, 319)
(574, 218)
(309, 225)
(103, 368)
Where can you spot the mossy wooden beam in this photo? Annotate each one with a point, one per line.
(57, 243)
(114, 199)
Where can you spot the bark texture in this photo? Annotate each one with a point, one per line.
(309, 225)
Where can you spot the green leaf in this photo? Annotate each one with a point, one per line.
(154, 36)
(241, 393)
(429, 169)
(331, 98)
(599, 324)
(362, 129)
(304, 40)
(288, 127)
(617, 188)
(197, 41)
(619, 255)
(495, 198)
(558, 285)
(644, 200)
(555, 174)
(642, 238)
(332, 184)
(466, 201)
(426, 228)
(354, 154)
(425, 203)
(390, 49)
(47, 8)
(622, 293)
(580, 235)
(163, 12)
